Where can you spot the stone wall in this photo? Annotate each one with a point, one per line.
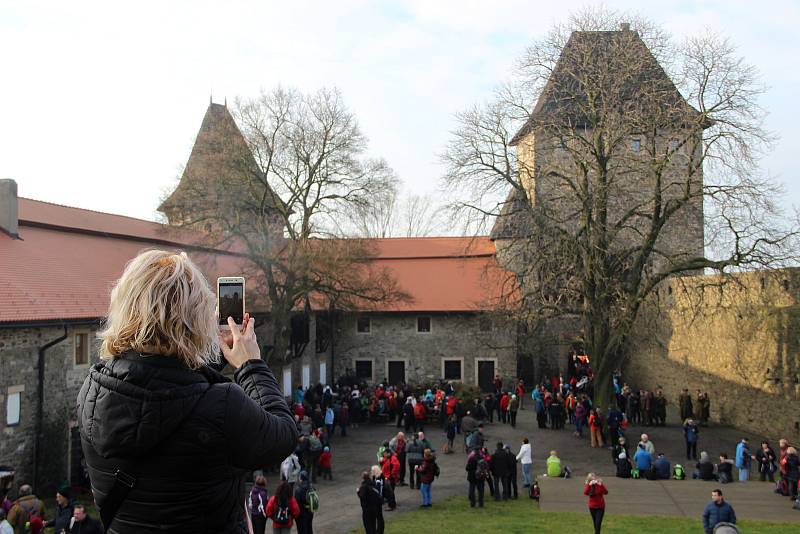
(739, 342)
(19, 370)
(452, 336)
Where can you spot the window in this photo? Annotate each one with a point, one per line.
(673, 144)
(81, 349)
(306, 376)
(451, 370)
(323, 373)
(287, 382)
(363, 325)
(485, 324)
(636, 145)
(14, 405)
(424, 324)
(364, 369)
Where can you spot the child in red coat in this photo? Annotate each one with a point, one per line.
(325, 462)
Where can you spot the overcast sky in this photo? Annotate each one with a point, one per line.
(101, 103)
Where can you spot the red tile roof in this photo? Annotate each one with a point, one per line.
(68, 259)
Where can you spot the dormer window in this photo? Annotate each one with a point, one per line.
(636, 145)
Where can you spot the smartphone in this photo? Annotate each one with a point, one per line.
(230, 299)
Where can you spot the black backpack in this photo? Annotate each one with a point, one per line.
(482, 469)
(282, 513)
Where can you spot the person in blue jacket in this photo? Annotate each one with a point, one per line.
(717, 511)
(663, 467)
(743, 459)
(643, 459)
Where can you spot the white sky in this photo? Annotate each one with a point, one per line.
(101, 101)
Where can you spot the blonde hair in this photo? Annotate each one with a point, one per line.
(162, 304)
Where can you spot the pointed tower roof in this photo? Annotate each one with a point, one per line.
(221, 161)
(621, 56)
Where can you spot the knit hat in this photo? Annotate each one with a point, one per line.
(327, 449)
(64, 492)
(36, 525)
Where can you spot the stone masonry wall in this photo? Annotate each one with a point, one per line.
(740, 344)
(452, 336)
(18, 369)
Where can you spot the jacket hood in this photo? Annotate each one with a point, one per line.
(133, 402)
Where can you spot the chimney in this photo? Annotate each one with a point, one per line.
(625, 26)
(9, 220)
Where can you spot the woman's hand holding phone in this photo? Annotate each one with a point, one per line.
(239, 344)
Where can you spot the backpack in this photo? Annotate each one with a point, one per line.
(26, 514)
(312, 500)
(470, 440)
(314, 443)
(535, 492)
(635, 473)
(677, 472)
(287, 468)
(482, 469)
(282, 513)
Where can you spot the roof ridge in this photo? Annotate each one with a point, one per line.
(89, 210)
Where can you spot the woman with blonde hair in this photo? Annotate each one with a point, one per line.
(167, 439)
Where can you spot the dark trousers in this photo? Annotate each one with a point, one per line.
(691, 450)
(373, 521)
(490, 483)
(259, 523)
(420, 425)
(597, 518)
(478, 485)
(409, 425)
(513, 483)
(304, 521)
(503, 417)
(390, 498)
(540, 419)
(402, 459)
(411, 473)
(490, 415)
(764, 473)
(513, 419)
(325, 473)
(506, 487)
(497, 486)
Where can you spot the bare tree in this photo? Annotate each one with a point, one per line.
(273, 187)
(613, 160)
(395, 214)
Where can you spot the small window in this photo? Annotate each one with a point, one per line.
(13, 407)
(636, 145)
(364, 325)
(364, 369)
(452, 370)
(81, 349)
(786, 285)
(485, 324)
(424, 324)
(673, 144)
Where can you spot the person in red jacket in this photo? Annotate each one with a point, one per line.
(390, 467)
(504, 400)
(325, 462)
(419, 415)
(595, 489)
(520, 392)
(283, 509)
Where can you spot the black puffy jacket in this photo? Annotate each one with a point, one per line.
(189, 437)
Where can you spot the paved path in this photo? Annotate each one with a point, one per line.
(340, 511)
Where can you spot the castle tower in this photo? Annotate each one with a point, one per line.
(220, 176)
(628, 88)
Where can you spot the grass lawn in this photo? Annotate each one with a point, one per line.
(523, 516)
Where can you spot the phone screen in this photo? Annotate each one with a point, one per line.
(231, 302)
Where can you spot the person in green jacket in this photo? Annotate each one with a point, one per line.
(554, 465)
